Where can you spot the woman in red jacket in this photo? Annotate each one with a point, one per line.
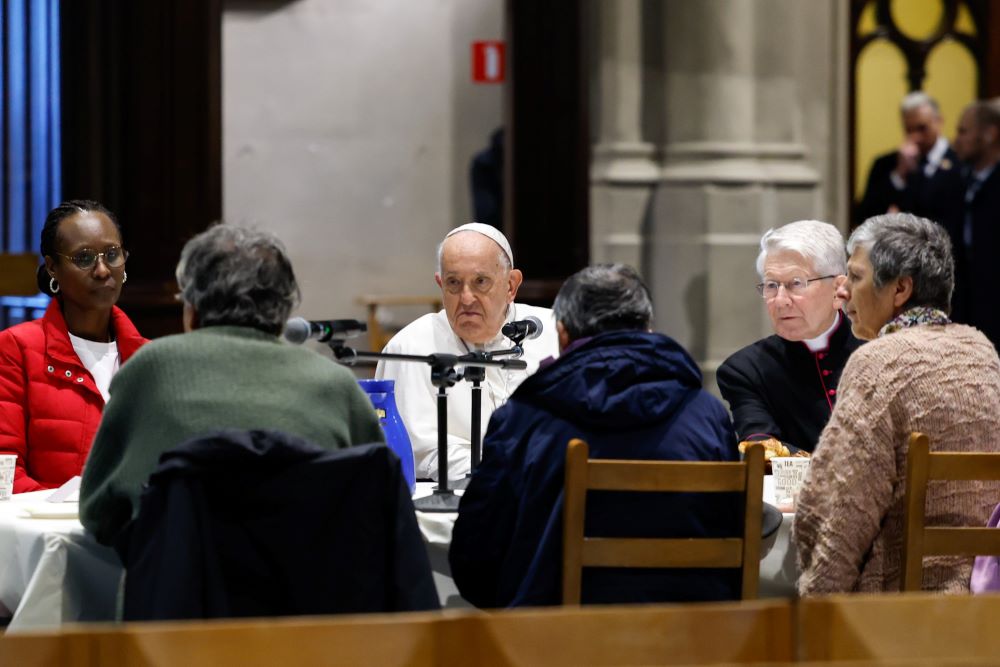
(55, 371)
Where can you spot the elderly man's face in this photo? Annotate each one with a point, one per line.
(970, 142)
(922, 126)
(868, 307)
(476, 286)
(799, 316)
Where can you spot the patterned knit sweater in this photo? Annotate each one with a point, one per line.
(941, 380)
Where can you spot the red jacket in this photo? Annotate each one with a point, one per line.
(49, 404)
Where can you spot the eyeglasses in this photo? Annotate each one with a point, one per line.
(797, 286)
(479, 284)
(113, 256)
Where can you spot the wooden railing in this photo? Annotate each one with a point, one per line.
(893, 629)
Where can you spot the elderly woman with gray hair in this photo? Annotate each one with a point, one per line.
(919, 372)
(229, 370)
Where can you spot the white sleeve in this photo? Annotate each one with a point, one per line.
(416, 400)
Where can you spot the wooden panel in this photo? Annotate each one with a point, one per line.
(402, 642)
(913, 512)
(612, 475)
(49, 650)
(964, 466)
(574, 507)
(17, 274)
(752, 519)
(646, 635)
(648, 552)
(972, 541)
(898, 626)
(377, 336)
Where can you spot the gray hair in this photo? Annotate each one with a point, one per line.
(986, 112)
(901, 244)
(601, 298)
(237, 276)
(917, 99)
(818, 242)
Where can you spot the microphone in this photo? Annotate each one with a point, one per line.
(298, 330)
(530, 327)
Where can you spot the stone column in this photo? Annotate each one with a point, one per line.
(623, 171)
(733, 166)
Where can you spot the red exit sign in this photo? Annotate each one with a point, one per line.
(487, 62)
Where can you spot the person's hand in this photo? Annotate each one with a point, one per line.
(907, 159)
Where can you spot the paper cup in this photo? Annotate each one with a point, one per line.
(789, 472)
(7, 475)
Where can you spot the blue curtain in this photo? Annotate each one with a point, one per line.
(31, 174)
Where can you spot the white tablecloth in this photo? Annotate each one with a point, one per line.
(51, 571)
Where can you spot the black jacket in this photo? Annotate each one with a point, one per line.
(260, 523)
(976, 276)
(938, 198)
(781, 388)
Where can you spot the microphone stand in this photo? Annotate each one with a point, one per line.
(476, 374)
(443, 375)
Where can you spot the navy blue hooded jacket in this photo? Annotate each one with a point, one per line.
(630, 395)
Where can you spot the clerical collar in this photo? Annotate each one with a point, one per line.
(822, 341)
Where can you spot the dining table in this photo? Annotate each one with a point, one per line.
(53, 572)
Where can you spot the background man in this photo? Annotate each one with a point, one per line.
(975, 235)
(785, 385)
(631, 394)
(922, 175)
(478, 285)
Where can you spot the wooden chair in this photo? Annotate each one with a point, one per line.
(919, 541)
(377, 337)
(583, 474)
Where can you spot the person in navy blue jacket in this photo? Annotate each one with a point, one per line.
(631, 394)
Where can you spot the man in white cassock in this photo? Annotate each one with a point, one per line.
(478, 284)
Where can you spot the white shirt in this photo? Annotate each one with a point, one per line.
(416, 396)
(934, 158)
(101, 359)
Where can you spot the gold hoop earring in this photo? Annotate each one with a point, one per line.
(53, 285)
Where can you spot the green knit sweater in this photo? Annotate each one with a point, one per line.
(182, 386)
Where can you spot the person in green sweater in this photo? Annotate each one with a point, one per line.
(228, 370)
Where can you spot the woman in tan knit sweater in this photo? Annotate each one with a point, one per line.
(919, 372)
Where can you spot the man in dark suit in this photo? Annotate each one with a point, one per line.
(976, 234)
(785, 385)
(922, 176)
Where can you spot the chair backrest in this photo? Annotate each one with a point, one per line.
(378, 337)
(923, 466)
(583, 474)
